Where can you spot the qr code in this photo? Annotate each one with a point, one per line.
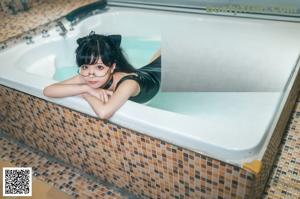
(17, 181)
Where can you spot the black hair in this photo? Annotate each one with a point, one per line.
(95, 46)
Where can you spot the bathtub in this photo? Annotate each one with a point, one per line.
(234, 127)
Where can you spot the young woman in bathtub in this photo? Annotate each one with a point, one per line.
(105, 79)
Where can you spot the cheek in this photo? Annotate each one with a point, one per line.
(98, 84)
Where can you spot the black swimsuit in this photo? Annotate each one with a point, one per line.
(148, 77)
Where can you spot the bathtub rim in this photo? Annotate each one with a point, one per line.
(294, 79)
(181, 9)
(78, 106)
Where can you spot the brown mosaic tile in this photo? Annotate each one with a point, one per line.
(42, 13)
(57, 174)
(285, 179)
(14, 7)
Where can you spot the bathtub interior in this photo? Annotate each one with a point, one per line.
(56, 60)
(264, 51)
(249, 56)
(198, 120)
(140, 44)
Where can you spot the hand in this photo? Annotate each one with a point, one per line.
(101, 94)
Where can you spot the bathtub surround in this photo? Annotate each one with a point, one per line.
(144, 165)
(285, 179)
(189, 172)
(84, 10)
(141, 164)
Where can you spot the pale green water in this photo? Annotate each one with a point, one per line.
(63, 73)
(138, 51)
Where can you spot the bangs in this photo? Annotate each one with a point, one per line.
(87, 55)
(90, 52)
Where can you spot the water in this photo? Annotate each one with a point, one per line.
(137, 50)
(66, 72)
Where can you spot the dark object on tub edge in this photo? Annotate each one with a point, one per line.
(86, 9)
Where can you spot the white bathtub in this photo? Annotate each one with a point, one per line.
(231, 126)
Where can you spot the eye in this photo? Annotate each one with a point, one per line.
(84, 67)
(99, 67)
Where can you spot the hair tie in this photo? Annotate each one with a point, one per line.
(86, 38)
(115, 39)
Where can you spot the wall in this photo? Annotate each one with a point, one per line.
(15, 6)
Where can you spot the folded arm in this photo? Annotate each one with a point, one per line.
(69, 87)
(126, 89)
(103, 106)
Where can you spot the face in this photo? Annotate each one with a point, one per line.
(96, 75)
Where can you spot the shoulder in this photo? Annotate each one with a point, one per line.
(128, 83)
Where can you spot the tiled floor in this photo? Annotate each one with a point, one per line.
(57, 173)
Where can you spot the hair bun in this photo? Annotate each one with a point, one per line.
(115, 39)
(86, 38)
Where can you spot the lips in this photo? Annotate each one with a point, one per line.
(92, 82)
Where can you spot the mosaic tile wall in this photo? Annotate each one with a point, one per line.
(285, 179)
(15, 6)
(141, 164)
(13, 26)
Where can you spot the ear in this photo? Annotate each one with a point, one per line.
(113, 67)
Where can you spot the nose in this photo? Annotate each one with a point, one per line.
(91, 71)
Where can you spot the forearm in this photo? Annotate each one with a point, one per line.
(97, 105)
(64, 90)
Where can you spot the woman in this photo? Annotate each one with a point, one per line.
(105, 78)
